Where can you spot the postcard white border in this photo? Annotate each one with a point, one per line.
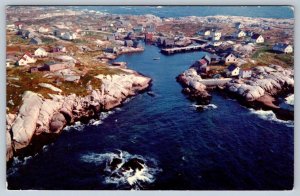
(3, 3)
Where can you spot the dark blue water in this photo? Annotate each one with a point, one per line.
(228, 147)
(181, 11)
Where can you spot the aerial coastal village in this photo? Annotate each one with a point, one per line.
(61, 65)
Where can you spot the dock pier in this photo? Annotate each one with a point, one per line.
(169, 51)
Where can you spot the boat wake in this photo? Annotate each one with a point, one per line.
(270, 116)
(124, 169)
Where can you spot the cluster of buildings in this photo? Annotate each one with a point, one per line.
(202, 66)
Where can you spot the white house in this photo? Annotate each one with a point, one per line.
(257, 38)
(121, 29)
(239, 25)
(69, 36)
(233, 70)
(43, 29)
(245, 73)
(40, 52)
(205, 33)
(282, 47)
(240, 34)
(216, 35)
(230, 58)
(26, 59)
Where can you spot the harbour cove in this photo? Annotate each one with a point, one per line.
(225, 146)
(115, 98)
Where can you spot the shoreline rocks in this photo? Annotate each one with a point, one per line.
(45, 118)
(193, 88)
(260, 91)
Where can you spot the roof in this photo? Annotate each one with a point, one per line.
(232, 67)
(40, 48)
(228, 55)
(202, 62)
(207, 58)
(255, 36)
(60, 47)
(50, 63)
(281, 45)
(26, 53)
(36, 39)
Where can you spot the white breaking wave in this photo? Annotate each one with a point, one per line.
(104, 115)
(17, 163)
(77, 126)
(270, 116)
(118, 176)
(290, 100)
(206, 107)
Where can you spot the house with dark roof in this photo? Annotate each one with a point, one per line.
(257, 38)
(238, 25)
(230, 58)
(36, 41)
(28, 34)
(111, 50)
(130, 36)
(283, 47)
(207, 58)
(232, 70)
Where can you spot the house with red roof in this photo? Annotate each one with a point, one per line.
(26, 59)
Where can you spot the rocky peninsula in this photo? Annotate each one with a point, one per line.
(41, 119)
(260, 91)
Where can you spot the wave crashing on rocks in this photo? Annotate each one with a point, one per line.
(271, 116)
(124, 169)
(205, 107)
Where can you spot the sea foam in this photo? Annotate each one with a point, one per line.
(136, 179)
(270, 116)
(205, 107)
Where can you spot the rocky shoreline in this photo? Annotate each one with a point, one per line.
(193, 87)
(40, 120)
(260, 91)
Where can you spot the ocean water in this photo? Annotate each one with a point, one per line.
(181, 11)
(224, 146)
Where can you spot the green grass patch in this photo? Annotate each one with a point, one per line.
(48, 41)
(16, 39)
(20, 80)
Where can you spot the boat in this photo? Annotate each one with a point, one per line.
(156, 58)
